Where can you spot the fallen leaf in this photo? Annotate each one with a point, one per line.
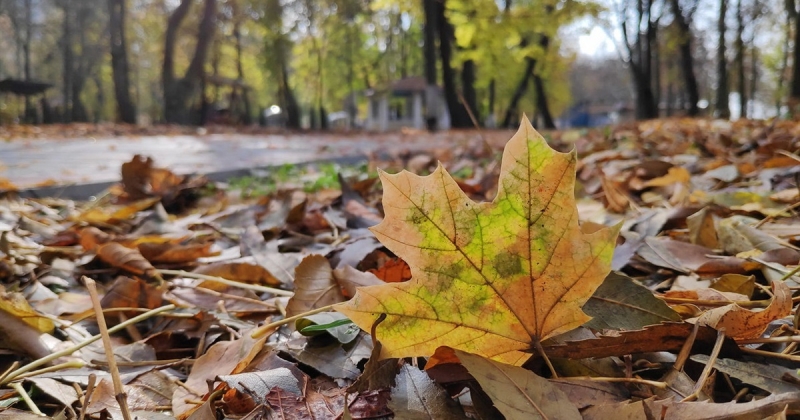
(519, 393)
(130, 260)
(741, 323)
(315, 286)
(766, 377)
(235, 271)
(490, 278)
(619, 303)
(417, 397)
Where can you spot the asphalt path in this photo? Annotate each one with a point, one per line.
(29, 163)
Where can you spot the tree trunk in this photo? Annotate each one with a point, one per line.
(288, 99)
(429, 53)
(740, 71)
(178, 93)
(66, 52)
(723, 110)
(126, 109)
(512, 113)
(794, 92)
(30, 111)
(541, 95)
(468, 76)
(458, 114)
(687, 60)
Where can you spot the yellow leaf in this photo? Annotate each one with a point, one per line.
(492, 279)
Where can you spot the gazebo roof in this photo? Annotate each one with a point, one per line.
(23, 87)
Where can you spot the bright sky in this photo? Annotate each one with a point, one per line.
(596, 43)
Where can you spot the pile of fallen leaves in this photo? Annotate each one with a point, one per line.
(665, 290)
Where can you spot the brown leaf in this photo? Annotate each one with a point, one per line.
(315, 286)
(241, 272)
(741, 323)
(175, 254)
(130, 260)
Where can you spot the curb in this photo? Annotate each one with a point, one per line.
(89, 190)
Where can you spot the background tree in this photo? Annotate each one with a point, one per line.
(722, 107)
(683, 19)
(639, 27)
(180, 92)
(126, 109)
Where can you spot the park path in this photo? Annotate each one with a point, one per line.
(31, 162)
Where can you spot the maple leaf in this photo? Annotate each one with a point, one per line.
(493, 279)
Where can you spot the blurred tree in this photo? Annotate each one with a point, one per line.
(639, 27)
(683, 20)
(722, 106)
(179, 92)
(126, 109)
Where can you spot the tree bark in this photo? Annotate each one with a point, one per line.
(794, 92)
(687, 60)
(458, 114)
(640, 60)
(541, 95)
(178, 92)
(723, 110)
(429, 53)
(512, 113)
(66, 52)
(126, 109)
(741, 85)
(468, 76)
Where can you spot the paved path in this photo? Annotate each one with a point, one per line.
(28, 163)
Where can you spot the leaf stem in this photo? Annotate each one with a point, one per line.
(264, 329)
(253, 287)
(66, 352)
(656, 384)
(539, 348)
(27, 398)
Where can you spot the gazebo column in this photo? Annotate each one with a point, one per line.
(416, 111)
(383, 113)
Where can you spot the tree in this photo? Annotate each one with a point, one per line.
(794, 90)
(126, 109)
(429, 48)
(639, 28)
(459, 117)
(179, 92)
(723, 110)
(683, 19)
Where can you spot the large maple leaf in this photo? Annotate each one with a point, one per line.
(494, 278)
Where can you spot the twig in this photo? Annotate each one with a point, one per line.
(782, 339)
(88, 396)
(698, 386)
(10, 369)
(686, 349)
(77, 364)
(254, 287)
(716, 303)
(539, 348)
(657, 384)
(764, 353)
(264, 329)
(119, 391)
(487, 148)
(66, 352)
(27, 398)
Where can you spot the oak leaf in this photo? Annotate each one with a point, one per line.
(493, 279)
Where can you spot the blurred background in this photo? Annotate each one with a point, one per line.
(382, 65)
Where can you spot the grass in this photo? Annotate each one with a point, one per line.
(308, 177)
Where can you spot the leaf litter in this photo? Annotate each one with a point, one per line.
(500, 292)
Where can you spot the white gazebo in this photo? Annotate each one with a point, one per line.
(402, 104)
